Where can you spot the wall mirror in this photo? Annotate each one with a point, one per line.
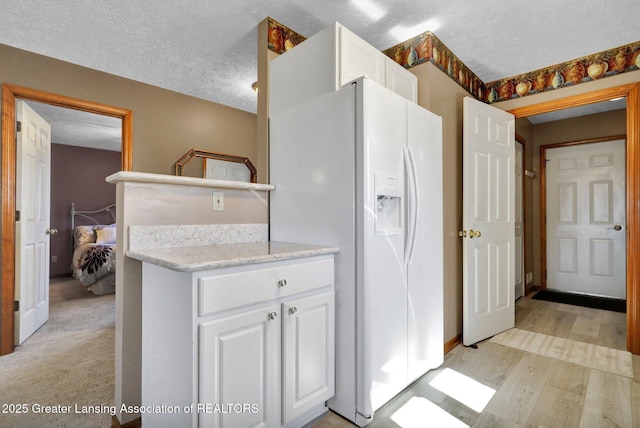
(219, 166)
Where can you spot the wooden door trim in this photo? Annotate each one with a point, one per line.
(8, 167)
(632, 94)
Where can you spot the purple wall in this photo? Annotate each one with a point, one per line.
(77, 175)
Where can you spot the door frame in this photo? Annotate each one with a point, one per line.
(632, 94)
(8, 180)
(543, 194)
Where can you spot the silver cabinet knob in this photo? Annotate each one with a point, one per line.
(51, 231)
(282, 282)
(293, 310)
(272, 315)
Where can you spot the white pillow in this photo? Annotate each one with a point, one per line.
(84, 235)
(105, 235)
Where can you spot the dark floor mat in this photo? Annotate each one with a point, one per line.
(616, 305)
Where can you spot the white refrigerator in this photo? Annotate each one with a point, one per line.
(361, 169)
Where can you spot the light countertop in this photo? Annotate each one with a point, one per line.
(196, 258)
(142, 177)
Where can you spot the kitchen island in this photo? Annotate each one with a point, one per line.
(238, 334)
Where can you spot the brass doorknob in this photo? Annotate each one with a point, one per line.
(51, 231)
(474, 233)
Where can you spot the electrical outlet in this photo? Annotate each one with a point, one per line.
(54, 259)
(218, 201)
(529, 279)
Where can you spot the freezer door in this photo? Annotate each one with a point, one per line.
(382, 316)
(425, 269)
(312, 158)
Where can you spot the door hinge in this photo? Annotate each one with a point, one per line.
(18, 126)
(17, 215)
(16, 305)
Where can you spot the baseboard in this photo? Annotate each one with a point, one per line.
(531, 289)
(136, 423)
(61, 275)
(452, 343)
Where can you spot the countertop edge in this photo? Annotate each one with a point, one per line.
(238, 261)
(143, 177)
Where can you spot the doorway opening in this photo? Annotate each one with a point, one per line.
(632, 94)
(10, 93)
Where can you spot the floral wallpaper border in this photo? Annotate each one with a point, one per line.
(591, 67)
(282, 38)
(427, 47)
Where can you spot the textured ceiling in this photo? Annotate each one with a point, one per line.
(79, 128)
(584, 110)
(208, 48)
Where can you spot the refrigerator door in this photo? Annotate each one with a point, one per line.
(425, 270)
(380, 181)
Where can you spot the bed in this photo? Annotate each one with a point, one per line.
(94, 248)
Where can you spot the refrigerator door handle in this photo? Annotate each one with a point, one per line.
(412, 205)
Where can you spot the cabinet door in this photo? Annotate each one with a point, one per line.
(401, 81)
(308, 353)
(239, 370)
(358, 58)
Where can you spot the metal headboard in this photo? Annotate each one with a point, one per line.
(87, 214)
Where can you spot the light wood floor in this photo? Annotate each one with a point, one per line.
(531, 390)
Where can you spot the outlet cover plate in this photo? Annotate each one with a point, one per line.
(218, 201)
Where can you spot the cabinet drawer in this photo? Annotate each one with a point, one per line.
(233, 290)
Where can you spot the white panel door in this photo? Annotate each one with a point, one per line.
(33, 176)
(488, 221)
(239, 363)
(586, 232)
(308, 354)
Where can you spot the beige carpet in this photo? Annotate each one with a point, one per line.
(585, 354)
(67, 364)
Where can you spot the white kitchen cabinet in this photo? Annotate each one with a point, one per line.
(358, 58)
(328, 60)
(244, 346)
(239, 364)
(401, 81)
(308, 354)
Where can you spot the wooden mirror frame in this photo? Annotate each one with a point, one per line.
(197, 153)
(8, 164)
